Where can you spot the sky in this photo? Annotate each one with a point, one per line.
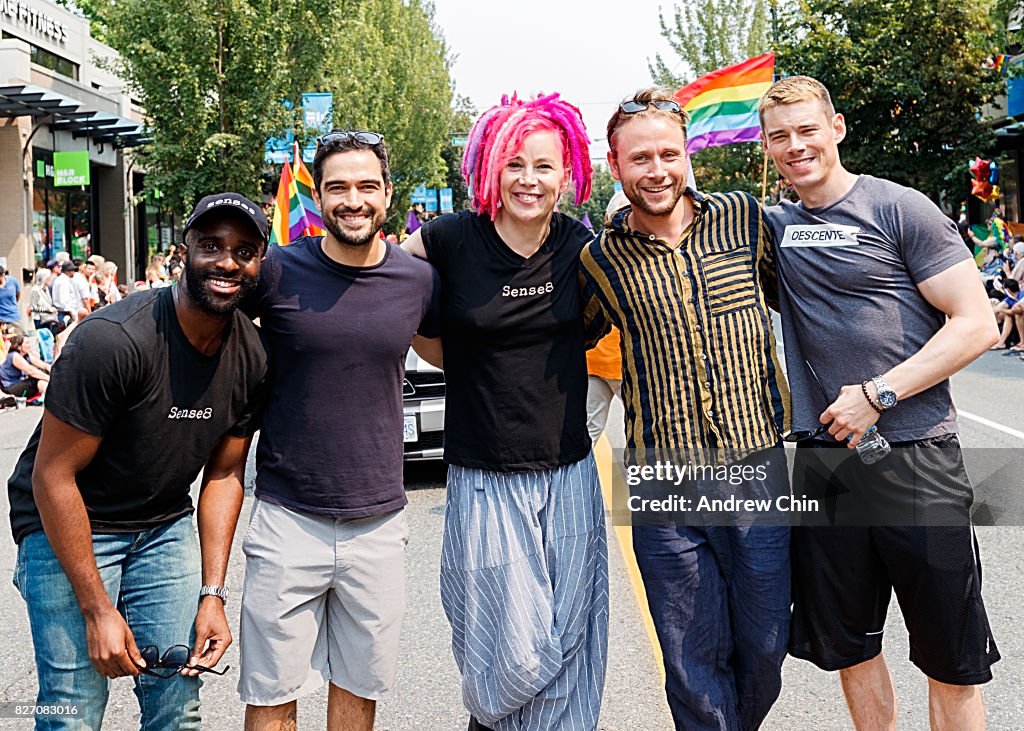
(593, 53)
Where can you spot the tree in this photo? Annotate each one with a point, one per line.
(709, 35)
(389, 71)
(602, 188)
(213, 87)
(211, 75)
(462, 118)
(910, 78)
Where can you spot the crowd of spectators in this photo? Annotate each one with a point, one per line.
(1002, 272)
(62, 293)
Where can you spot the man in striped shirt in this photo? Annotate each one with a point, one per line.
(686, 278)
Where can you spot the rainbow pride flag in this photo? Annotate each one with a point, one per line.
(290, 220)
(304, 188)
(723, 104)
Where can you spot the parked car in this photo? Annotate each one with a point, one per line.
(423, 402)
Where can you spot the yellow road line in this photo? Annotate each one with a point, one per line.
(624, 539)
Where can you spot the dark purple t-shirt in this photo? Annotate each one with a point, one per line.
(332, 431)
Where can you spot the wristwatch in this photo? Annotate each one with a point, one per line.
(218, 591)
(886, 396)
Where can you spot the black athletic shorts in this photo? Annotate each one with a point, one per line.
(844, 572)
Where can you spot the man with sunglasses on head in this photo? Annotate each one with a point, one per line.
(324, 574)
(882, 303)
(686, 278)
(147, 393)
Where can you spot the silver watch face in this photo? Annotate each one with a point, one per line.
(887, 398)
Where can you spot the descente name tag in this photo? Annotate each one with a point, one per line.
(820, 234)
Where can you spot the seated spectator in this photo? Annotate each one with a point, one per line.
(994, 270)
(23, 373)
(1004, 317)
(156, 273)
(110, 292)
(1018, 268)
(44, 313)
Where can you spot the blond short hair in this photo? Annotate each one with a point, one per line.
(646, 96)
(793, 90)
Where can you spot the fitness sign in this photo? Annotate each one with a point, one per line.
(35, 19)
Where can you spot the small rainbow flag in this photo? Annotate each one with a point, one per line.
(723, 104)
(295, 195)
(289, 217)
(304, 188)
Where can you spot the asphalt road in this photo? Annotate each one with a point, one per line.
(427, 693)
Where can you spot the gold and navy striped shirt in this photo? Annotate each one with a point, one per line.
(700, 369)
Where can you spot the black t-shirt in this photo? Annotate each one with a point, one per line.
(512, 330)
(129, 374)
(332, 433)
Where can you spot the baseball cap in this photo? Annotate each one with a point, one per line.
(52, 263)
(224, 201)
(68, 266)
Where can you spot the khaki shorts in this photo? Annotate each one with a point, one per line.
(323, 601)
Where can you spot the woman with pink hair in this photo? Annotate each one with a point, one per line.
(524, 575)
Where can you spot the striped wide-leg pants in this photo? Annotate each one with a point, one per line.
(524, 583)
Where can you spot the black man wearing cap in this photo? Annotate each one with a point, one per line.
(147, 392)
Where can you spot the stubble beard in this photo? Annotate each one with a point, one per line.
(345, 238)
(678, 190)
(197, 291)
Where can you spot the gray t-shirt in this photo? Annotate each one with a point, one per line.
(848, 276)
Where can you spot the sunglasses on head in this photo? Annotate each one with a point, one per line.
(172, 661)
(635, 107)
(364, 138)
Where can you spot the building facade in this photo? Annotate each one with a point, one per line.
(67, 128)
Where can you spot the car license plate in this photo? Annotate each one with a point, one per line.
(410, 433)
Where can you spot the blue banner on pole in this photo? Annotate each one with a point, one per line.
(318, 116)
(431, 205)
(419, 195)
(446, 200)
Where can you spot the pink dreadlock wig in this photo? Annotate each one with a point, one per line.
(497, 137)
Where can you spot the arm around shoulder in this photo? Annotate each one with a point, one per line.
(414, 244)
(430, 350)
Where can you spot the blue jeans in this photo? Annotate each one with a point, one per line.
(153, 578)
(719, 597)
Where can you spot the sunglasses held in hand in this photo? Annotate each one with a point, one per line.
(802, 435)
(172, 662)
